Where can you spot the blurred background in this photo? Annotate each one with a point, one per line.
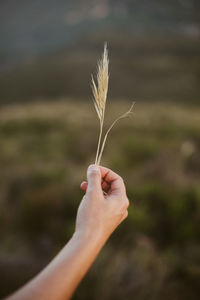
(49, 132)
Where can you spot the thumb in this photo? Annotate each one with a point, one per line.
(94, 179)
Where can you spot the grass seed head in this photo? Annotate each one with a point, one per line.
(101, 89)
(99, 98)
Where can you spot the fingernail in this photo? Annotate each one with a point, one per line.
(93, 168)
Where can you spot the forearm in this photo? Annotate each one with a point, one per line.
(98, 215)
(61, 277)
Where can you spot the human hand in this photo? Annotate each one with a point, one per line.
(104, 205)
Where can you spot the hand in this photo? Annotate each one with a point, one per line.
(102, 209)
(104, 205)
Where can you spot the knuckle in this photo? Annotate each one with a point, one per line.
(125, 215)
(126, 202)
(94, 173)
(121, 179)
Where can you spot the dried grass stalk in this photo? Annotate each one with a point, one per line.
(100, 92)
(99, 98)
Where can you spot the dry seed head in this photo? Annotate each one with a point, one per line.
(99, 98)
(100, 91)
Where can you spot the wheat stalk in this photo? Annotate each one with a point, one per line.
(99, 98)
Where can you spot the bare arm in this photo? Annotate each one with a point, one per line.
(98, 215)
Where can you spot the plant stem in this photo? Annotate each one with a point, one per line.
(109, 129)
(99, 142)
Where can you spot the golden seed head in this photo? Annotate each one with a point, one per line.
(101, 89)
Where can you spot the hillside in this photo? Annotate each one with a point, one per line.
(32, 27)
(155, 68)
(49, 48)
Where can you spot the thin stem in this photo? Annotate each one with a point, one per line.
(99, 142)
(100, 136)
(109, 129)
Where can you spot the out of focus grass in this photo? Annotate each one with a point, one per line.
(45, 150)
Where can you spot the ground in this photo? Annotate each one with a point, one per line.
(45, 150)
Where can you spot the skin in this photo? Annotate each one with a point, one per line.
(103, 207)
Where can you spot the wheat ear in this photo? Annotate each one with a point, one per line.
(99, 98)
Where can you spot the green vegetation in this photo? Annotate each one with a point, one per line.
(45, 150)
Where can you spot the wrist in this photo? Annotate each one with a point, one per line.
(90, 238)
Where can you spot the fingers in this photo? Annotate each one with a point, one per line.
(94, 179)
(84, 185)
(104, 185)
(101, 178)
(113, 179)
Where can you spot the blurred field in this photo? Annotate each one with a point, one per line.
(45, 150)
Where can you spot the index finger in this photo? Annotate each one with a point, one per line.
(113, 179)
